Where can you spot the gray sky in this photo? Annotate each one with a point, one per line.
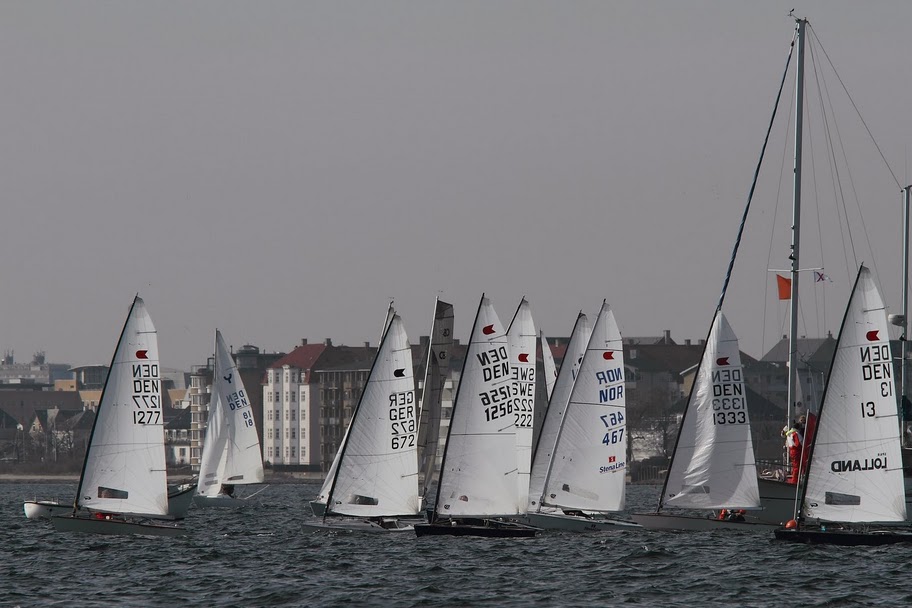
(281, 169)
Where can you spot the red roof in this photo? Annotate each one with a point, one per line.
(303, 358)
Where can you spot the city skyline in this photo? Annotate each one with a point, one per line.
(282, 171)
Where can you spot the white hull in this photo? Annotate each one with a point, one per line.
(574, 523)
(658, 521)
(45, 509)
(219, 500)
(365, 525)
(93, 525)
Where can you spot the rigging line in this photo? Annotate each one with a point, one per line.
(874, 141)
(853, 189)
(750, 196)
(769, 252)
(810, 142)
(838, 195)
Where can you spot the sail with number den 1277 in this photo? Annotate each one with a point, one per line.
(231, 453)
(855, 477)
(478, 477)
(712, 466)
(124, 481)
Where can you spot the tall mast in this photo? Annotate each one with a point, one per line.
(903, 375)
(796, 221)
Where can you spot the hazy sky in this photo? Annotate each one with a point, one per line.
(282, 169)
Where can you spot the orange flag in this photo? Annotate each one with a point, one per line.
(785, 287)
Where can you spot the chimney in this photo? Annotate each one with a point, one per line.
(367, 344)
(702, 342)
(327, 342)
(667, 336)
(303, 341)
(686, 341)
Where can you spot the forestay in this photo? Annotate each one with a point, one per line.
(231, 453)
(378, 466)
(589, 465)
(557, 405)
(478, 477)
(522, 338)
(124, 470)
(713, 465)
(855, 473)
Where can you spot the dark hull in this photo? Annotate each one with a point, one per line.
(850, 538)
(488, 529)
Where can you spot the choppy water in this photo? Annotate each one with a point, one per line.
(262, 557)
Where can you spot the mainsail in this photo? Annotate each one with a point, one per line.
(557, 405)
(231, 453)
(589, 465)
(478, 475)
(713, 465)
(855, 471)
(377, 471)
(124, 470)
(521, 338)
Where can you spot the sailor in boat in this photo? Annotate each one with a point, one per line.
(732, 514)
(793, 440)
(227, 489)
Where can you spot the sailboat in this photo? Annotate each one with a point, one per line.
(318, 506)
(375, 485)
(436, 372)
(854, 480)
(478, 484)
(580, 463)
(123, 486)
(231, 453)
(712, 466)
(521, 338)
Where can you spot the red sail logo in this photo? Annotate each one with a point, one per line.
(608, 355)
(524, 357)
(142, 354)
(872, 335)
(722, 361)
(488, 330)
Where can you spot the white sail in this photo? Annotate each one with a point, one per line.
(478, 475)
(437, 370)
(589, 465)
(548, 360)
(713, 465)
(124, 470)
(557, 405)
(521, 338)
(855, 473)
(378, 466)
(231, 453)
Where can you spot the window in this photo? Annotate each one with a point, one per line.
(286, 452)
(269, 397)
(303, 452)
(270, 434)
(286, 433)
(269, 414)
(292, 452)
(277, 396)
(292, 414)
(303, 435)
(292, 395)
(269, 450)
(277, 414)
(292, 433)
(286, 414)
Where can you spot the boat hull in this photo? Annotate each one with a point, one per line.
(491, 529)
(851, 538)
(660, 521)
(573, 523)
(318, 508)
(119, 527)
(369, 526)
(219, 501)
(45, 509)
(777, 500)
(179, 501)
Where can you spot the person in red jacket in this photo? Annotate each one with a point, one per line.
(809, 425)
(793, 441)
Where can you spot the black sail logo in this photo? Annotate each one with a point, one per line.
(399, 373)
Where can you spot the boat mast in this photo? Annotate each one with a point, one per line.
(796, 222)
(903, 376)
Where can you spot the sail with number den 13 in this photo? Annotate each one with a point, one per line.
(855, 475)
(478, 477)
(124, 480)
(231, 454)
